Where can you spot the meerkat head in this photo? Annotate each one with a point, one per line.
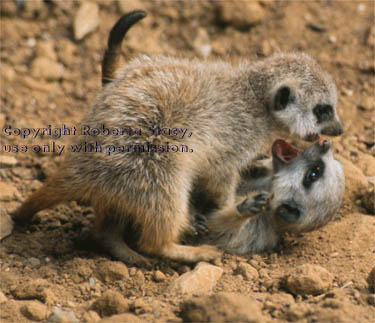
(308, 186)
(301, 96)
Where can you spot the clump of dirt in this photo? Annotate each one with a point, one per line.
(222, 307)
(50, 73)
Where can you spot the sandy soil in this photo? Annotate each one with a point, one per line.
(50, 78)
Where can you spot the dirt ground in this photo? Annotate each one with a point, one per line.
(49, 77)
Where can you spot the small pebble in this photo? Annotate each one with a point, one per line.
(3, 298)
(159, 276)
(91, 281)
(33, 262)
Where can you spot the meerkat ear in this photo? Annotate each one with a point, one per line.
(283, 97)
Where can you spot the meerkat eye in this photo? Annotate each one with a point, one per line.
(283, 97)
(313, 174)
(323, 112)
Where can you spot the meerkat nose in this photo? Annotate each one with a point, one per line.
(340, 128)
(325, 145)
(289, 211)
(336, 129)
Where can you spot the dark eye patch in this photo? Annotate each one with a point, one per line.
(323, 112)
(315, 171)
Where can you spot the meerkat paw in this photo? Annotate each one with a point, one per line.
(114, 244)
(191, 254)
(209, 253)
(199, 225)
(253, 205)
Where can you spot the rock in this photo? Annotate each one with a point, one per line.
(266, 47)
(371, 37)
(3, 298)
(309, 280)
(139, 278)
(356, 182)
(127, 317)
(36, 289)
(110, 303)
(92, 282)
(66, 52)
(199, 281)
(201, 43)
(159, 276)
(263, 273)
(281, 298)
(90, 317)
(297, 312)
(367, 164)
(139, 306)
(132, 271)
(8, 161)
(33, 9)
(371, 280)
(254, 263)
(222, 307)
(126, 6)
(8, 73)
(368, 201)
(86, 19)
(45, 68)
(33, 262)
(2, 120)
(60, 316)
(366, 66)
(110, 271)
(8, 192)
(8, 8)
(240, 14)
(45, 48)
(34, 310)
(247, 271)
(41, 86)
(6, 224)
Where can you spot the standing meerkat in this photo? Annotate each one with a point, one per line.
(229, 113)
(303, 192)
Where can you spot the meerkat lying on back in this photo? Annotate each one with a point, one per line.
(305, 190)
(230, 113)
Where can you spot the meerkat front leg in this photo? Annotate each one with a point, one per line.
(234, 216)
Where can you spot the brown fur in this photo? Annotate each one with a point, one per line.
(228, 110)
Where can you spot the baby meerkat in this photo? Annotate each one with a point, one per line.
(140, 180)
(305, 191)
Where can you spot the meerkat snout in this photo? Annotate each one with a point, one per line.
(303, 99)
(290, 211)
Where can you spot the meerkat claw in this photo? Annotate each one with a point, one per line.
(254, 204)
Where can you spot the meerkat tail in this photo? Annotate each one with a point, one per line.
(45, 197)
(112, 56)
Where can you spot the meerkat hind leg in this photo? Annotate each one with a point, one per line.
(160, 238)
(109, 233)
(112, 240)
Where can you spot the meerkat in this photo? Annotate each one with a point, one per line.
(229, 112)
(304, 190)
